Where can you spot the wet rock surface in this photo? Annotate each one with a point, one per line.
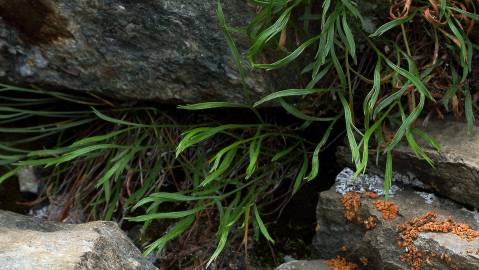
(31, 243)
(409, 231)
(456, 167)
(170, 50)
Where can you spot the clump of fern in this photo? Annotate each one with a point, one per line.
(418, 63)
(127, 164)
(420, 58)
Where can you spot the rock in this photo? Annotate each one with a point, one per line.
(456, 167)
(28, 180)
(371, 238)
(169, 50)
(30, 243)
(304, 265)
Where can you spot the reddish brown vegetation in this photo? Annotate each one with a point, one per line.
(371, 222)
(351, 202)
(364, 261)
(387, 208)
(340, 263)
(371, 195)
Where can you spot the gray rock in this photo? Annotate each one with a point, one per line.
(28, 180)
(456, 170)
(31, 243)
(169, 50)
(304, 265)
(379, 244)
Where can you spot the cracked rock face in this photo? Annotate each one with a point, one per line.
(169, 50)
(378, 243)
(31, 243)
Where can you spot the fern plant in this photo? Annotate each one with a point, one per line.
(379, 107)
(126, 164)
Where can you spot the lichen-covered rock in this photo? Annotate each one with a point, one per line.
(398, 233)
(169, 50)
(456, 167)
(31, 243)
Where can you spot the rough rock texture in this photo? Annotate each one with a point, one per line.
(378, 245)
(169, 50)
(304, 265)
(30, 243)
(456, 170)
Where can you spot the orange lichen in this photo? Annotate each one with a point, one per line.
(371, 222)
(387, 208)
(344, 248)
(428, 223)
(340, 263)
(351, 202)
(364, 261)
(462, 230)
(409, 232)
(371, 195)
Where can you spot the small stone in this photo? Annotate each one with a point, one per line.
(26, 70)
(12, 50)
(27, 180)
(428, 197)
